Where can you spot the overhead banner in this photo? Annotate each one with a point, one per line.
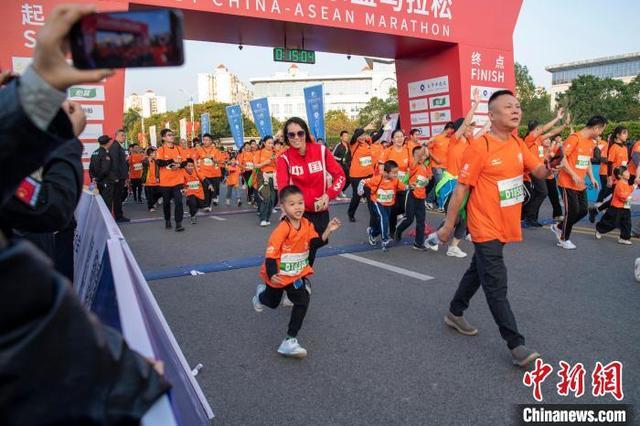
(183, 128)
(261, 116)
(314, 101)
(152, 136)
(205, 124)
(234, 116)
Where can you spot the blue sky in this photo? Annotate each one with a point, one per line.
(548, 32)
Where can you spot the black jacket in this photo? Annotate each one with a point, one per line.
(119, 165)
(101, 166)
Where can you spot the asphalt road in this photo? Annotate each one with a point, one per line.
(379, 352)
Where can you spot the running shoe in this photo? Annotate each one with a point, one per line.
(372, 239)
(558, 218)
(193, 220)
(239, 202)
(292, 349)
(593, 212)
(179, 227)
(455, 251)
(556, 231)
(460, 324)
(285, 302)
(637, 269)
(264, 223)
(259, 307)
(625, 242)
(598, 236)
(387, 243)
(523, 356)
(567, 245)
(152, 210)
(419, 247)
(429, 206)
(167, 224)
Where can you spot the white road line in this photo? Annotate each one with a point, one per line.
(401, 271)
(218, 218)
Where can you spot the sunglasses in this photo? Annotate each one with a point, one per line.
(299, 133)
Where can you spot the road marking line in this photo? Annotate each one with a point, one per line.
(401, 271)
(218, 218)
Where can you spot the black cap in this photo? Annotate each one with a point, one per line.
(457, 124)
(104, 139)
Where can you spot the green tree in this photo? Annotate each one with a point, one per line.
(377, 108)
(336, 121)
(535, 103)
(525, 88)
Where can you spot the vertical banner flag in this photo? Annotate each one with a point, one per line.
(205, 126)
(314, 101)
(183, 129)
(152, 135)
(261, 116)
(234, 116)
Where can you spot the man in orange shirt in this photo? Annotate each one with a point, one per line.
(493, 166)
(438, 149)
(135, 171)
(170, 160)
(193, 190)
(578, 150)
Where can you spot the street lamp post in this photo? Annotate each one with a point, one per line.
(190, 95)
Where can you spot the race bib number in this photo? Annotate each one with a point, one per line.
(401, 174)
(541, 151)
(421, 181)
(583, 162)
(385, 195)
(365, 161)
(627, 204)
(137, 166)
(511, 191)
(208, 162)
(248, 166)
(194, 184)
(292, 264)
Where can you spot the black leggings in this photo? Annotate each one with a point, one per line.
(605, 205)
(175, 192)
(300, 298)
(194, 203)
(320, 221)
(616, 217)
(136, 188)
(554, 198)
(576, 207)
(604, 190)
(538, 192)
(153, 194)
(246, 175)
(355, 198)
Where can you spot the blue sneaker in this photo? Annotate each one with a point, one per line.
(372, 239)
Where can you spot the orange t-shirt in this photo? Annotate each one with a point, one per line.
(233, 176)
(618, 156)
(455, 155)
(246, 161)
(264, 155)
(135, 166)
(193, 184)
(419, 178)
(494, 169)
(151, 174)
(189, 153)
(622, 195)
(439, 148)
(377, 149)
(361, 160)
(402, 158)
(383, 191)
(290, 248)
(604, 153)
(633, 169)
(170, 177)
(578, 152)
(209, 159)
(534, 143)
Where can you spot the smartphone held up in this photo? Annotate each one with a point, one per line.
(145, 38)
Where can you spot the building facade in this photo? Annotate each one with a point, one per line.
(223, 86)
(146, 104)
(621, 67)
(348, 93)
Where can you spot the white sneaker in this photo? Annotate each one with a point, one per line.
(291, 348)
(598, 236)
(557, 232)
(268, 223)
(275, 210)
(151, 210)
(455, 251)
(468, 237)
(207, 209)
(567, 245)
(259, 307)
(285, 302)
(228, 202)
(264, 223)
(625, 242)
(637, 269)
(429, 206)
(431, 247)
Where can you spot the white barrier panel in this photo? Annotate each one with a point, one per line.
(105, 267)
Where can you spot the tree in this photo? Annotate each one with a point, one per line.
(377, 108)
(535, 103)
(589, 95)
(525, 88)
(336, 121)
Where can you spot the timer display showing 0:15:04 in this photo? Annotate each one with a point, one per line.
(280, 54)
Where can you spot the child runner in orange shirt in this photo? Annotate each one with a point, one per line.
(618, 215)
(193, 189)
(383, 188)
(286, 266)
(233, 179)
(135, 171)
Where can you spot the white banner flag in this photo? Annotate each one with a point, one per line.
(153, 136)
(183, 128)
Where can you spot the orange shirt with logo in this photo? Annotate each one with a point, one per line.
(264, 155)
(170, 177)
(151, 174)
(233, 176)
(290, 248)
(246, 161)
(361, 160)
(455, 155)
(439, 147)
(633, 169)
(383, 191)
(377, 150)
(402, 157)
(622, 195)
(604, 154)
(619, 156)
(135, 166)
(419, 178)
(193, 184)
(209, 161)
(578, 152)
(493, 168)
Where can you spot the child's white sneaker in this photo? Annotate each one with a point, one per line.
(259, 307)
(455, 251)
(567, 245)
(285, 302)
(598, 236)
(625, 242)
(291, 348)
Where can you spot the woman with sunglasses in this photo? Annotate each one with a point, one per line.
(310, 167)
